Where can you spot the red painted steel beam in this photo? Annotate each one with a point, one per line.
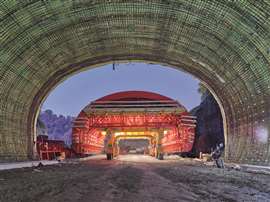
(103, 121)
(87, 129)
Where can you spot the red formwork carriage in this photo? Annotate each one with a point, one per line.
(51, 149)
(181, 137)
(134, 111)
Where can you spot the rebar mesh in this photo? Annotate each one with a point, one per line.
(222, 42)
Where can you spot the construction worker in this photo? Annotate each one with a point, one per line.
(108, 146)
(216, 154)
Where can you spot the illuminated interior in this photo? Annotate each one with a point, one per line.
(133, 115)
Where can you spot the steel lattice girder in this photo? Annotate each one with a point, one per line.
(224, 43)
(87, 140)
(136, 120)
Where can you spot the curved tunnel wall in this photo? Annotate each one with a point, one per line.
(226, 44)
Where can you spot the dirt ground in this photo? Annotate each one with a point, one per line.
(132, 179)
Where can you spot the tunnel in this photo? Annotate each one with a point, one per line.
(225, 44)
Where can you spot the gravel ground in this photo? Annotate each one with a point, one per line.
(132, 178)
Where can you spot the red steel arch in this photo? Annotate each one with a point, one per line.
(134, 95)
(134, 110)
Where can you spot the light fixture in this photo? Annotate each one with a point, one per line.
(103, 133)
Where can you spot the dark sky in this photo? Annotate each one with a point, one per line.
(76, 92)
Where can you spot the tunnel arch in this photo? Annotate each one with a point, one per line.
(226, 44)
(47, 88)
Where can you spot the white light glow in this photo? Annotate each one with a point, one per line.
(103, 132)
(261, 134)
(135, 133)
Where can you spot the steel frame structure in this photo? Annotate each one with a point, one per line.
(89, 125)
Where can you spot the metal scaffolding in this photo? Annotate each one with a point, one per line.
(171, 125)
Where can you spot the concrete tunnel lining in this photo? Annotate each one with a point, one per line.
(223, 43)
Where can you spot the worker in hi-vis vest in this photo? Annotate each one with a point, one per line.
(108, 146)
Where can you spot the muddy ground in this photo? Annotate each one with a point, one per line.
(132, 179)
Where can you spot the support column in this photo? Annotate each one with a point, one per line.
(159, 152)
(115, 148)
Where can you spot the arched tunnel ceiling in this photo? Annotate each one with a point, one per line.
(226, 44)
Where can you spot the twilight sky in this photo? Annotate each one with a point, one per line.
(77, 91)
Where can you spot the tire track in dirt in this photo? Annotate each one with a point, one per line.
(216, 185)
(156, 188)
(123, 183)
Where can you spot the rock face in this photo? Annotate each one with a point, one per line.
(209, 130)
(58, 127)
(41, 128)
